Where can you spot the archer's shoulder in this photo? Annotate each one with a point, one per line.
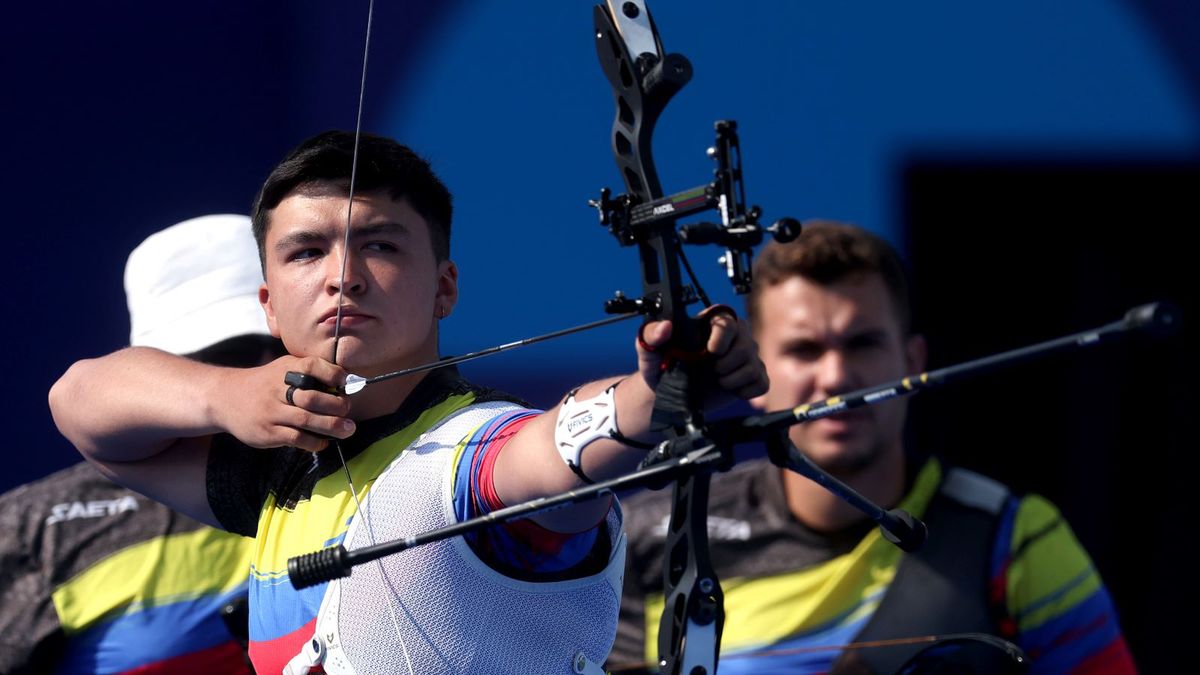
(34, 503)
(1023, 517)
(1039, 531)
(446, 382)
(68, 480)
(974, 490)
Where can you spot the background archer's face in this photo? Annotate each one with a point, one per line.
(391, 294)
(820, 341)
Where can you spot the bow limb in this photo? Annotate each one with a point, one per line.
(643, 80)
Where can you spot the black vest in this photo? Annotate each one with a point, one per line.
(943, 588)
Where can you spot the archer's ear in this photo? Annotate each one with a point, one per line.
(916, 351)
(447, 286)
(264, 299)
(760, 402)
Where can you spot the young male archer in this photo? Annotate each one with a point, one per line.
(240, 450)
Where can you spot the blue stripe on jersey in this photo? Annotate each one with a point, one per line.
(149, 636)
(777, 660)
(1002, 547)
(498, 545)
(1081, 632)
(291, 609)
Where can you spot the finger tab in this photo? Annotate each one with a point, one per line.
(306, 381)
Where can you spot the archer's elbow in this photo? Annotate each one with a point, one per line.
(69, 408)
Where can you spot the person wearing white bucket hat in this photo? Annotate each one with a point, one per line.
(194, 285)
(99, 579)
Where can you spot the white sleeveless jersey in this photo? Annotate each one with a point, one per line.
(450, 612)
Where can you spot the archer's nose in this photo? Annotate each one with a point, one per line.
(833, 374)
(344, 274)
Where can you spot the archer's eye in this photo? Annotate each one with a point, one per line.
(805, 350)
(382, 246)
(866, 341)
(305, 254)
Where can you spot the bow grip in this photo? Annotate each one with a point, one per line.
(686, 379)
(689, 341)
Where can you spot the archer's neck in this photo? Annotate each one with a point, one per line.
(881, 482)
(383, 398)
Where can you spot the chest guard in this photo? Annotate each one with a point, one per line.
(438, 608)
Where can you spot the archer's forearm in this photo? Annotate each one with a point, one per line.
(134, 403)
(529, 467)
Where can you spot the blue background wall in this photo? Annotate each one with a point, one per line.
(126, 117)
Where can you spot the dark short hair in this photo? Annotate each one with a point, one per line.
(827, 252)
(326, 160)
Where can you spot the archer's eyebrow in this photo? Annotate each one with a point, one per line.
(376, 229)
(869, 335)
(301, 238)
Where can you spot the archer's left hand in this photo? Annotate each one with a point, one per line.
(731, 353)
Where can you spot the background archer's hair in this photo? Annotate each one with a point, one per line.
(827, 252)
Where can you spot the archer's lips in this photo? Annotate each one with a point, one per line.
(350, 317)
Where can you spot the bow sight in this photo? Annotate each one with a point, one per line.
(631, 220)
(644, 80)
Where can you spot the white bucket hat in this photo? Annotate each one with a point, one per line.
(195, 284)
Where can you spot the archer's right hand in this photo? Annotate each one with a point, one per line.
(261, 416)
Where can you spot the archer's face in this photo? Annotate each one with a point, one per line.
(820, 341)
(394, 289)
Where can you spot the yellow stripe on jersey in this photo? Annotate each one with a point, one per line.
(138, 577)
(1051, 573)
(283, 533)
(763, 611)
(459, 450)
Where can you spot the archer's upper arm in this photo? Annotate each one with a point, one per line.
(1064, 615)
(175, 477)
